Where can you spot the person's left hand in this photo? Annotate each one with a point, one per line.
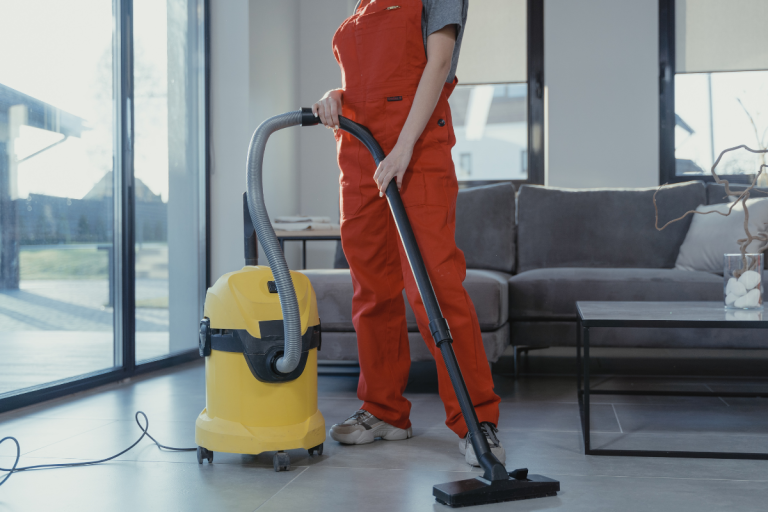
(393, 166)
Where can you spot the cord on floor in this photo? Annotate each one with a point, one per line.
(144, 432)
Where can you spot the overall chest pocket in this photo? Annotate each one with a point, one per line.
(381, 37)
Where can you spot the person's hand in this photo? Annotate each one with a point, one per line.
(393, 166)
(329, 108)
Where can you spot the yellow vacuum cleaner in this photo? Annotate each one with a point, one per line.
(260, 335)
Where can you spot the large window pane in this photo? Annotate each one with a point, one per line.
(56, 187)
(491, 126)
(167, 170)
(715, 111)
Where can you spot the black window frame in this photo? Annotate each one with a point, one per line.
(124, 235)
(535, 84)
(667, 71)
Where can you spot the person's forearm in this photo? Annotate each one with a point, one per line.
(439, 53)
(427, 94)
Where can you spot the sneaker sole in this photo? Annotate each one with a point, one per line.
(385, 432)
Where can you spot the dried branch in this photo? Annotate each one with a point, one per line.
(742, 197)
(759, 139)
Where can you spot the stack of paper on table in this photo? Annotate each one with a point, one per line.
(302, 223)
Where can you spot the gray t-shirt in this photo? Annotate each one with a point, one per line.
(437, 14)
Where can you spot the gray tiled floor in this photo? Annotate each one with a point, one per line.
(539, 427)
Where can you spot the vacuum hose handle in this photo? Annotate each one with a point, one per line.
(494, 470)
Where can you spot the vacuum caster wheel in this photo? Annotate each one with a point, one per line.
(281, 461)
(203, 453)
(316, 450)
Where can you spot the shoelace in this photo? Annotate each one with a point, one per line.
(360, 416)
(490, 432)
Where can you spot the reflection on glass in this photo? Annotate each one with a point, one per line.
(740, 315)
(56, 217)
(166, 175)
(491, 126)
(716, 111)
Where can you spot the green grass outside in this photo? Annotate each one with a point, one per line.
(85, 263)
(154, 303)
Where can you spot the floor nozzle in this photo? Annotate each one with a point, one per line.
(478, 491)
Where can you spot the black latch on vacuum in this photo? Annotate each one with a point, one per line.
(204, 335)
(272, 287)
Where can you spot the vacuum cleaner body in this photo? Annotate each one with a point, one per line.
(250, 407)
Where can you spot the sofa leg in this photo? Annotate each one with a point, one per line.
(514, 360)
(522, 349)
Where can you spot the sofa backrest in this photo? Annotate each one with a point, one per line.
(602, 227)
(485, 226)
(716, 193)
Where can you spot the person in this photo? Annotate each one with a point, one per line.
(398, 62)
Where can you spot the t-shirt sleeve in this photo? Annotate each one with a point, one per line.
(441, 13)
(438, 14)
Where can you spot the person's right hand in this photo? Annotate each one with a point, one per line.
(329, 108)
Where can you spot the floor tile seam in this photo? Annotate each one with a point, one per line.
(88, 431)
(618, 422)
(146, 461)
(85, 418)
(721, 398)
(432, 397)
(507, 429)
(678, 405)
(593, 403)
(68, 438)
(367, 468)
(688, 433)
(306, 468)
(645, 477)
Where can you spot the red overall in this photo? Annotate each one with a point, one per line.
(381, 54)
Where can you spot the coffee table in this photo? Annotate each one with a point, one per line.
(593, 315)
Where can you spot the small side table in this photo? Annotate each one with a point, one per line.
(303, 236)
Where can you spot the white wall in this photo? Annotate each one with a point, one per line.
(254, 75)
(319, 72)
(273, 89)
(601, 70)
(229, 131)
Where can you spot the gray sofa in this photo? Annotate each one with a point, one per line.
(526, 270)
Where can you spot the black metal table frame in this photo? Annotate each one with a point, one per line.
(584, 391)
(303, 239)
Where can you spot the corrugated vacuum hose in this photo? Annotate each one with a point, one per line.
(266, 235)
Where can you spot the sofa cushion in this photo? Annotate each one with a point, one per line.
(611, 228)
(342, 346)
(552, 293)
(485, 226)
(716, 195)
(333, 288)
(711, 236)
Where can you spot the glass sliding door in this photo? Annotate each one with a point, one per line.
(168, 166)
(56, 189)
(102, 191)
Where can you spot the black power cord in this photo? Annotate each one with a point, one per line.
(144, 432)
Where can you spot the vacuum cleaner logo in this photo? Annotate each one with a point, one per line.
(395, 98)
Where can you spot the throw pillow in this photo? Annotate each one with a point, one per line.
(711, 236)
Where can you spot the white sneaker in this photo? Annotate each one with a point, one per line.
(468, 451)
(363, 428)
